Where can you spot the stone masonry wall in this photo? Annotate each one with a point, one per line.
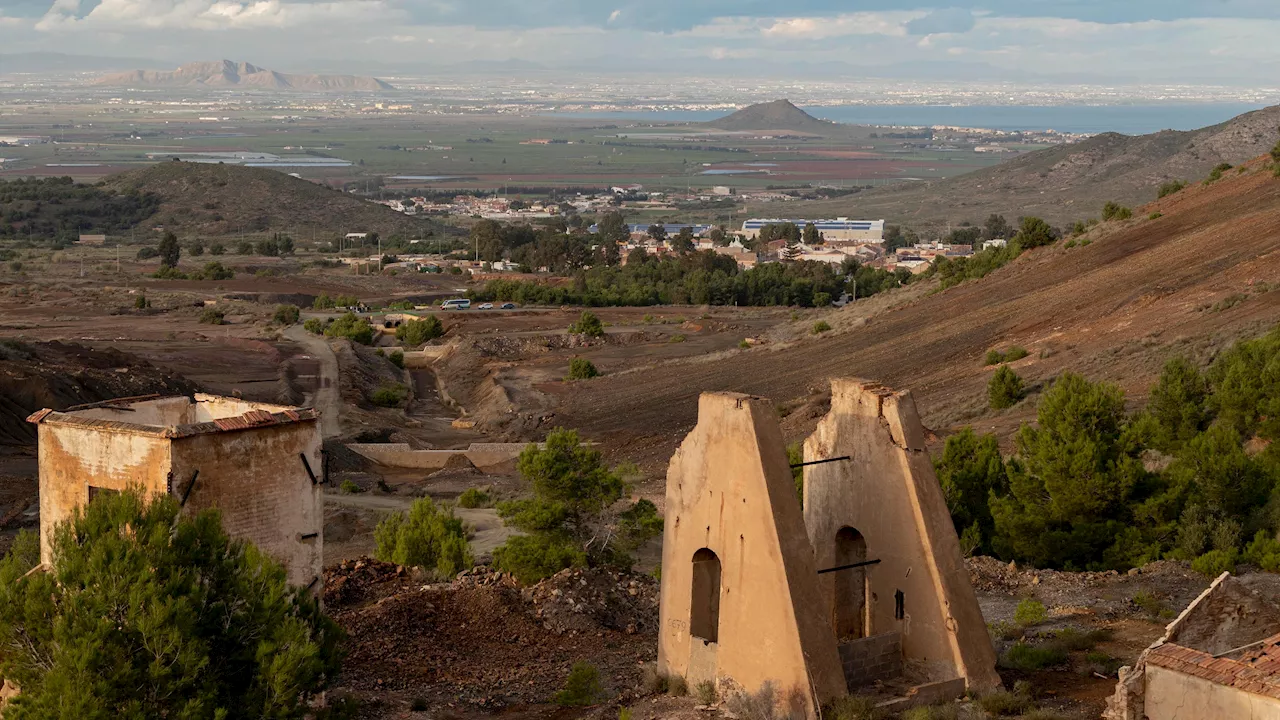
(866, 660)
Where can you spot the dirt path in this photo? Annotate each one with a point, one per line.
(326, 399)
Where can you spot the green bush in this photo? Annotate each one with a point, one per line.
(286, 314)
(150, 612)
(994, 357)
(677, 339)
(1150, 604)
(820, 327)
(349, 487)
(147, 252)
(531, 558)
(418, 332)
(217, 249)
(474, 498)
(582, 369)
(1264, 551)
(582, 687)
(1171, 187)
(1155, 216)
(950, 711)
(706, 692)
(1030, 612)
(314, 326)
(389, 396)
(1004, 390)
(588, 324)
(1215, 562)
(1025, 656)
(1005, 703)
(677, 686)
(852, 707)
(1014, 353)
(427, 536)
(397, 358)
(352, 327)
(1115, 211)
(213, 271)
(212, 316)
(141, 303)
(743, 344)
(1216, 173)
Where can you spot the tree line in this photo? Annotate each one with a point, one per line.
(61, 208)
(1194, 476)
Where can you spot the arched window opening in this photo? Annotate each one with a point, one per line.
(849, 611)
(704, 620)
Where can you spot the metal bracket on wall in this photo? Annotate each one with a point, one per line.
(864, 563)
(313, 583)
(309, 536)
(820, 462)
(190, 486)
(307, 465)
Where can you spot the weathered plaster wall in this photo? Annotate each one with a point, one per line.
(1171, 695)
(257, 480)
(159, 412)
(729, 491)
(888, 493)
(72, 458)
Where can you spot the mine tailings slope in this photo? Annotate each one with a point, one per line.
(1189, 282)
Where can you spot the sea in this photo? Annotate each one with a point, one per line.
(1089, 119)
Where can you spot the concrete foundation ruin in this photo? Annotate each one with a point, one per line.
(260, 465)
(866, 583)
(1219, 659)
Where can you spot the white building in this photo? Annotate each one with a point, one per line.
(838, 230)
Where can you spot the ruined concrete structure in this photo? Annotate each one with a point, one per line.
(864, 584)
(260, 465)
(1219, 659)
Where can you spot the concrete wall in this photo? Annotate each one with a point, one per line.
(74, 457)
(888, 493)
(402, 455)
(869, 659)
(159, 412)
(1171, 695)
(425, 357)
(729, 491)
(257, 480)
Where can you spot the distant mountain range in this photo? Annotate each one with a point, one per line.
(229, 74)
(774, 116)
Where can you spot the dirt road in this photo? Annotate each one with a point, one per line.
(489, 532)
(326, 398)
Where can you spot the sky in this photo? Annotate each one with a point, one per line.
(1227, 42)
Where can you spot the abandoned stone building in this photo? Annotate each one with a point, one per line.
(260, 465)
(865, 584)
(1219, 659)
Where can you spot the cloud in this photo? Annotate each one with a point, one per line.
(950, 20)
(214, 14)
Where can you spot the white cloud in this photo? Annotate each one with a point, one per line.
(217, 14)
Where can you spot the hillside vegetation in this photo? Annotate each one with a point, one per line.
(1067, 183)
(1187, 283)
(216, 199)
(60, 208)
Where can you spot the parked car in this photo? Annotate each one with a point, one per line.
(486, 306)
(508, 306)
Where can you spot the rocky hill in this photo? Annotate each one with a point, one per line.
(230, 74)
(1189, 282)
(1069, 182)
(779, 115)
(216, 199)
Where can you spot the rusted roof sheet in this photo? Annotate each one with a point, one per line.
(247, 421)
(38, 416)
(1257, 671)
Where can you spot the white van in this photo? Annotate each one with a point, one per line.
(456, 304)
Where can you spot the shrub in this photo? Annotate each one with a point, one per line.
(853, 707)
(389, 396)
(588, 324)
(1074, 640)
(141, 303)
(677, 339)
(159, 573)
(743, 344)
(706, 692)
(212, 316)
(654, 681)
(1025, 656)
(1155, 216)
(1015, 353)
(582, 369)
(1004, 390)
(217, 249)
(349, 487)
(1150, 604)
(1115, 211)
(286, 314)
(1215, 562)
(950, 711)
(994, 357)
(677, 687)
(474, 498)
(426, 536)
(1171, 187)
(169, 273)
(352, 327)
(1070, 244)
(821, 299)
(1264, 551)
(1275, 152)
(531, 558)
(1216, 173)
(582, 687)
(1003, 702)
(820, 327)
(213, 271)
(147, 252)
(419, 332)
(314, 325)
(1030, 612)
(397, 358)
